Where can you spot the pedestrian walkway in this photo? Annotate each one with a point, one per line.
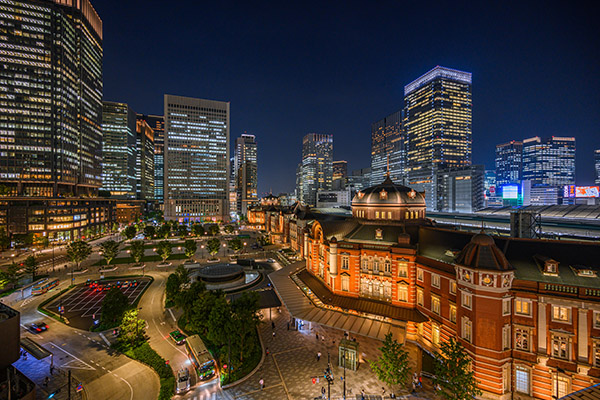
(292, 363)
(38, 370)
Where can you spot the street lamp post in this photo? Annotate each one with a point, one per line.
(224, 246)
(201, 251)
(344, 373)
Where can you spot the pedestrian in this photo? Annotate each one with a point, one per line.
(334, 342)
(51, 369)
(46, 380)
(362, 394)
(420, 381)
(267, 351)
(317, 336)
(261, 382)
(288, 326)
(322, 392)
(273, 333)
(382, 391)
(272, 325)
(318, 356)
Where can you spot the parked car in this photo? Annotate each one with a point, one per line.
(178, 337)
(38, 327)
(183, 380)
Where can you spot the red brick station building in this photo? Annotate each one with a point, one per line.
(527, 311)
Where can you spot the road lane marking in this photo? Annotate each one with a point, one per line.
(130, 388)
(105, 339)
(75, 357)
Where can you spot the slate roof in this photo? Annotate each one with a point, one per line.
(589, 393)
(482, 253)
(359, 304)
(366, 233)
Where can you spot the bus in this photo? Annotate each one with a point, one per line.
(200, 357)
(43, 286)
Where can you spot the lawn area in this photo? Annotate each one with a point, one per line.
(130, 260)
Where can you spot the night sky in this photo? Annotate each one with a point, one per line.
(336, 67)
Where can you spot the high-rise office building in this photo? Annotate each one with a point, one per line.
(460, 189)
(359, 179)
(509, 162)
(51, 118)
(144, 161)
(298, 189)
(317, 166)
(196, 159)
(119, 150)
(549, 162)
(437, 125)
(597, 166)
(246, 167)
(340, 175)
(157, 123)
(388, 149)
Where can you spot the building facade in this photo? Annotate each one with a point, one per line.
(333, 198)
(437, 124)
(157, 123)
(119, 150)
(340, 175)
(359, 179)
(246, 172)
(144, 161)
(460, 189)
(317, 166)
(527, 311)
(597, 166)
(388, 153)
(549, 162)
(196, 159)
(509, 162)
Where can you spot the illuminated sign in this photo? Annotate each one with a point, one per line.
(581, 191)
(510, 192)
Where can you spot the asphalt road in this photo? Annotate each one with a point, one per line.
(105, 374)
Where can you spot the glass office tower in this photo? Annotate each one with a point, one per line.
(549, 162)
(437, 124)
(597, 166)
(144, 161)
(388, 149)
(246, 176)
(157, 123)
(196, 159)
(317, 166)
(340, 175)
(119, 150)
(509, 162)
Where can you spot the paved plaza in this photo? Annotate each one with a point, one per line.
(292, 363)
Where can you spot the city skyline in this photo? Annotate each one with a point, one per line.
(512, 96)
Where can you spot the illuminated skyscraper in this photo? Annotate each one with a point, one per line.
(549, 162)
(597, 165)
(51, 114)
(388, 149)
(340, 175)
(317, 166)
(509, 162)
(144, 161)
(196, 162)
(246, 167)
(437, 124)
(157, 123)
(119, 150)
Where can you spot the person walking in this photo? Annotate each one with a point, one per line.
(272, 325)
(261, 382)
(362, 394)
(46, 380)
(318, 356)
(322, 392)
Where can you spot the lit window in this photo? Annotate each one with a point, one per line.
(597, 319)
(345, 262)
(560, 383)
(389, 215)
(435, 305)
(522, 339)
(387, 266)
(522, 376)
(420, 297)
(467, 327)
(402, 292)
(505, 306)
(560, 346)
(596, 354)
(402, 270)
(466, 300)
(452, 313)
(365, 264)
(452, 286)
(523, 307)
(376, 266)
(376, 214)
(561, 314)
(435, 280)
(419, 274)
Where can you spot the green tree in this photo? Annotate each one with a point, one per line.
(182, 230)
(198, 230)
(23, 239)
(392, 365)
(129, 232)
(78, 251)
(172, 289)
(190, 247)
(185, 299)
(4, 239)
(213, 230)
(132, 330)
(164, 249)
(200, 311)
(10, 276)
(453, 373)
(110, 249)
(164, 230)
(229, 228)
(213, 246)
(182, 274)
(137, 250)
(149, 231)
(244, 321)
(114, 304)
(235, 244)
(31, 266)
(41, 241)
(219, 319)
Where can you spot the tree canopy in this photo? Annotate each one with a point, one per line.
(392, 366)
(198, 229)
(235, 244)
(114, 304)
(130, 232)
(149, 231)
(164, 249)
(31, 266)
(137, 250)
(132, 331)
(190, 247)
(453, 372)
(110, 249)
(78, 251)
(213, 246)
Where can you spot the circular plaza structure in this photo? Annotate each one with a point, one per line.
(226, 277)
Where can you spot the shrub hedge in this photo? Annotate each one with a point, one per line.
(148, 356)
